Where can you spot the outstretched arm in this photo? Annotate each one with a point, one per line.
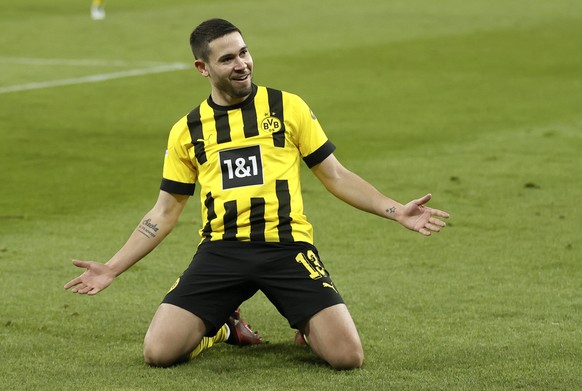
(360, 194)
(152, 229)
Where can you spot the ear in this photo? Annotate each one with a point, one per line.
(201, 67)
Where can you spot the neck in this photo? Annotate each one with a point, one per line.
(223, 99)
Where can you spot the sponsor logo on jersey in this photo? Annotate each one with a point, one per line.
(241, 167)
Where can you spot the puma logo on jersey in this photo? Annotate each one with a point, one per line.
(202, 140)
(326, 285)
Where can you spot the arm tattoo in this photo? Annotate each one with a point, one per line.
(391, 210)
(148, 229)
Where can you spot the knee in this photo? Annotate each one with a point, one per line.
(353, 359)
(156, 355)
(153, 356)
(345, 355)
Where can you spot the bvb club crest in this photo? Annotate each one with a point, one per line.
(271, 124)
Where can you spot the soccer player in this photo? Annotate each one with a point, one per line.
(244, 146)
(98, 9)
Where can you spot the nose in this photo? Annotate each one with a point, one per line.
(239, 64)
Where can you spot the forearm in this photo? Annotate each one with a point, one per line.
(147, 235)
(357, 192)
(360, 194)
(151, 230)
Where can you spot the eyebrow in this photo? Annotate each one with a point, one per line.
(228, 55)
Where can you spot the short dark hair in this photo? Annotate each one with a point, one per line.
(208, 31)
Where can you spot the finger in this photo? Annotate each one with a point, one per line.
(440, 213)
(85, 289)
(424, 231)
(94, 291)
(433, 227)
(78, 287)
(72, 282)
(438, 222)
(437, 212)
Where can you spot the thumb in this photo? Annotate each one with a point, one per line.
(80, 263)
(423, 200)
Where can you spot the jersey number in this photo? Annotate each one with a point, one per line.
(312, 264)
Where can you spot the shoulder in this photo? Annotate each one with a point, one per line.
(185, 120)
(181, 124)
(287, 95)
(180, 130)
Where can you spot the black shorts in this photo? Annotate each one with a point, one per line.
(223, 274)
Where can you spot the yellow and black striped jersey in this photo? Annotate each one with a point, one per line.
(246, 160)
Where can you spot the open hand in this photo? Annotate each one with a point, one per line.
(418, 217)
(97, 277)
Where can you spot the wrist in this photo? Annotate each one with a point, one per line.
(113, 270)
(393, 211)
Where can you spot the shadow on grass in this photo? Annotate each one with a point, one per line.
(240, 359)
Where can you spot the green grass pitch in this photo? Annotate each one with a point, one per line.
(478, 102)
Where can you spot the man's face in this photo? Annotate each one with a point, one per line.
(229, 69)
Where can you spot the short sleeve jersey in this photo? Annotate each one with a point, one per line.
(246, 159)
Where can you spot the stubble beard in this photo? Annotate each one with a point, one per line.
(243, 92)
(235, 92)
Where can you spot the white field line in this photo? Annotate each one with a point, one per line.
(93, 78)
(78, 62)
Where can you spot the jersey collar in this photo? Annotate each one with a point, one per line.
(245, 102)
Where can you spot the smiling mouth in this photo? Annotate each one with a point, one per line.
(242, 78)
